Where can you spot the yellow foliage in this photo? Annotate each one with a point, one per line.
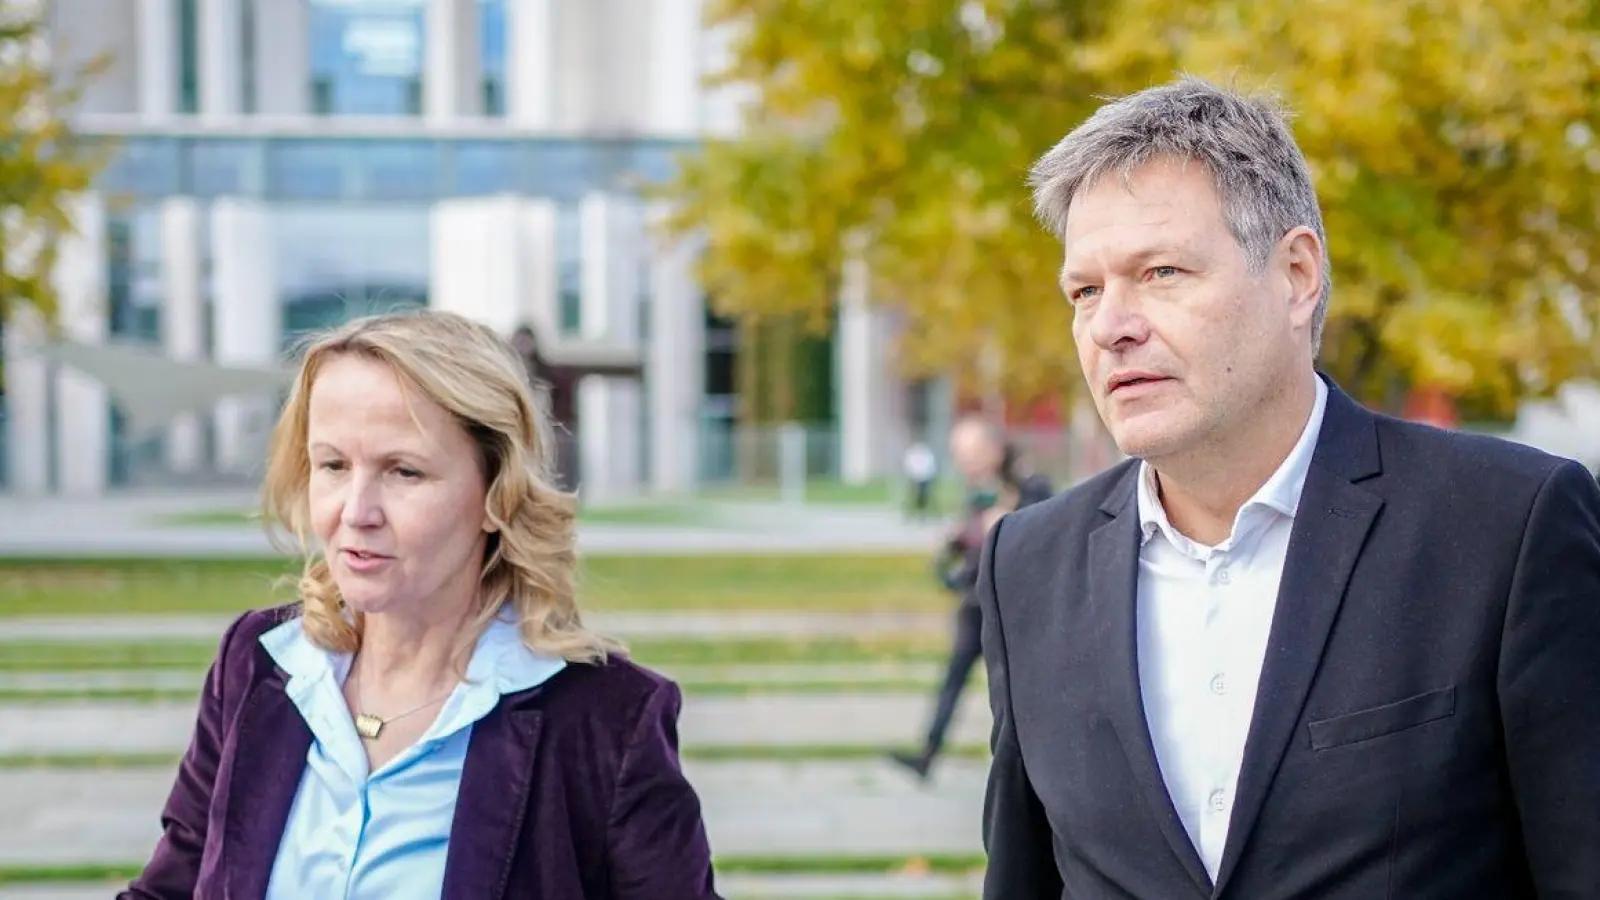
(1456, 146)
(41, 164)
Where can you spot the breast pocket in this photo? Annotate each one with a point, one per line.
(1379, 721)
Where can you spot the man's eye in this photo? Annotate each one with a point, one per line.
(1087, 292)
(1165, 271)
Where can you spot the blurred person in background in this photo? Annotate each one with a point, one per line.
(921, 470)
(997, 484)
(431, 718)
(1291, 647)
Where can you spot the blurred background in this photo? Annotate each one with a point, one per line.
(766, 253)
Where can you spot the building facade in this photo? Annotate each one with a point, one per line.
(283, 165)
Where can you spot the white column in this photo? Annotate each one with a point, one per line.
(675, 364)
(158, 57)
(609, 412)
(539, 300)
(282, 57)
(864, 384)
(530, 51)
(246, 326)
(674, 65)
(453, 74)
(27, 406)
(475, 266)
(183, 316)
(221, 57)
(83, 411)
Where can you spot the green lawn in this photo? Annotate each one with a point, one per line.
(189, 655)
(617, 583)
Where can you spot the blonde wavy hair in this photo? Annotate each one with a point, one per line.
(530, 562)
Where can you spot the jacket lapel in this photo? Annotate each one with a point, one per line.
(493, 800)
(1330, 529)
(268, 761)
(1112, 582)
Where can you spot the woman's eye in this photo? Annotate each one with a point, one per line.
(408, 474)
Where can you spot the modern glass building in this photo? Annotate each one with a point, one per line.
(282, 165)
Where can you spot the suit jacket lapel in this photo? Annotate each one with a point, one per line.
(493, 800)
(268, 761)
(1112, 584)
(1330, 528)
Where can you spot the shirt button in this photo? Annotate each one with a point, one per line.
(1218, 801)
(1223, 577)
(1219, 684)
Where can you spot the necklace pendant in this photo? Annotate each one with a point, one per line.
(368, 726)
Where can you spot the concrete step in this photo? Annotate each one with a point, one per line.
(733, 887)
(765, 808)
(625, 625)
(766, 720)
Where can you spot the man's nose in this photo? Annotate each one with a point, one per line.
(1117, 319)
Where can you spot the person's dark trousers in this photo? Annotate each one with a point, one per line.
(965, 651)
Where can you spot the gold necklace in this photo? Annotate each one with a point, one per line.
(370, 726)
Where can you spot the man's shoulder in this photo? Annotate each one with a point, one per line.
(1081, 502)
(1488, 462)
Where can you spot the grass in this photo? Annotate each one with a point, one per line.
(823, 583)
(781, 753)
(92, 656)
(943, 863)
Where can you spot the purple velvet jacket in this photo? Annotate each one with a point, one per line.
(571, 790)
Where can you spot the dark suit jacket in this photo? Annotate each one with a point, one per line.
(1428, 718)
(571, 790)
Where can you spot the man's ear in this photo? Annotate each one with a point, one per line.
(1300, 256)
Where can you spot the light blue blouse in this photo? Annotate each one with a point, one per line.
(357, 835)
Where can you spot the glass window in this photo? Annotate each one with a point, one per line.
(188, 57)
(309, 170)
(569, 266)
(399, 170)
(144, 167)
(487, 167)
(335, 262)
(492, 52)
(220, 167)
(367, 57)
(566, 170)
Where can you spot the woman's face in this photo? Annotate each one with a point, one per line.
(396, 493)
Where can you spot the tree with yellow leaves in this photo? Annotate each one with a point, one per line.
(1456, 147)
(42, 163)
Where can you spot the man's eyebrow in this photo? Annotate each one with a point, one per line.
(1069, 276)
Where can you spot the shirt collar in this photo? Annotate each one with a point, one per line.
(1281, 493)
(500, 664)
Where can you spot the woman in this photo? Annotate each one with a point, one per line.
(431, 719)
(991, 466)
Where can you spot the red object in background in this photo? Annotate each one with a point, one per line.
(1431, 406)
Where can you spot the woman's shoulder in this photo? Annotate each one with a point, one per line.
(244, 633)
(617, 690)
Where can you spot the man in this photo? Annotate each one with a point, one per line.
(991, 467)
(1292, 648)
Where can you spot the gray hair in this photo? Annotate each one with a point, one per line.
(1260, 174)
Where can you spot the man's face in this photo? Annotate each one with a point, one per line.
(1179, 340)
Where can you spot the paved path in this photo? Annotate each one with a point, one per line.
(626, 625)
(827, 808)
(765, 720)
(128, 524)
(733, 887)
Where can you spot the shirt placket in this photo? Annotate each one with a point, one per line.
(1217, 688)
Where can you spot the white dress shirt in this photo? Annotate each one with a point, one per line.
(1204, 615)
